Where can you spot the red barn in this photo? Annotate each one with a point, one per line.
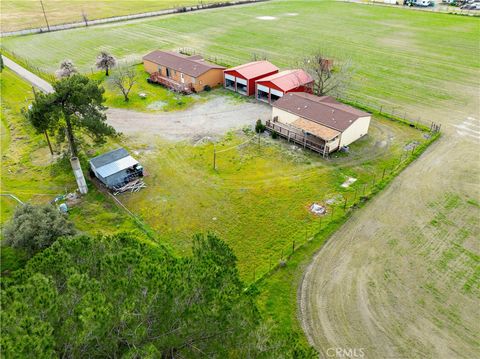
(242, 78)
(271, 88)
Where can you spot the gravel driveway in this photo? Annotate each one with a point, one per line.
(212, 118)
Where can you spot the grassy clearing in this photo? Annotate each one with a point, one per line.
(387, 46)
(27, 171)
(258, 198)
(158, 98)
(25, 14)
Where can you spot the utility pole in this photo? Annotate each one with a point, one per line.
(45, 15)
(214, 158)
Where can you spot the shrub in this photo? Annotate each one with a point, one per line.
(259, 127)
(34, 228)
(207, 88)
(274, 135)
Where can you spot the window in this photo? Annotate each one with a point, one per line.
(160, 70)
(194, 80)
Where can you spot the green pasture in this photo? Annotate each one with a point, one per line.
(28, 172)
(26, 14)
(258, 197)
(412, 60)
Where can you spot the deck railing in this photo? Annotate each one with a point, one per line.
(171, 84)
(299, 138)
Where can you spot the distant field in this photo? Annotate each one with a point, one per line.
(396, 53)
(26, 14)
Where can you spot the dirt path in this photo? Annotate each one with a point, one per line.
(27, 75)
(208, 119)
(398, 279)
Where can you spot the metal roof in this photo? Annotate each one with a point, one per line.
(254, 69)
(117, 166)
(108, 157)
(190, 65)
(288, 80)
(323, 110)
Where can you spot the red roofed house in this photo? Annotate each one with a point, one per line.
(271, 88)
(319, 123)
(242, 78)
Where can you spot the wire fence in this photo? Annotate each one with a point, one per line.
(42, 73)
(338, 207)
(85, 22)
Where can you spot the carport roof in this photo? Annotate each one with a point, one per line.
(254, 69)
(109, 157)
(288, 80)
(112, 162)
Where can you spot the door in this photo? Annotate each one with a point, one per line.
(168, 72)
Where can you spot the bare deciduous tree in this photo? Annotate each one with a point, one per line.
(328, 79)
(124, 79)
(67, 69)
(105, 61)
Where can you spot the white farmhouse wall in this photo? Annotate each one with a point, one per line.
(356, 130)
(283, 116)
(333, 144)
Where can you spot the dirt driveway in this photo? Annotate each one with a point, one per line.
(212, 118)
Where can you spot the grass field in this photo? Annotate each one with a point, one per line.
(27, 172)
(26, 14)
(420, 296)
(158, 98)
(387, 46)
(258, 198)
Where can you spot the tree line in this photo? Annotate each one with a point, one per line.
(118, 296)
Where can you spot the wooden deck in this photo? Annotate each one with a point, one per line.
(171, 84)
(295, 135)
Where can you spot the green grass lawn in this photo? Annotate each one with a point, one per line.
(25, 14)
(417, 61)
(27, 171)
(158, 98)
(258, 198)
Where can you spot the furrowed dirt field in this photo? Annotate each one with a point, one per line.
(401, 278)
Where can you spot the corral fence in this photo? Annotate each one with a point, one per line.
(443, 8)
(85, 22)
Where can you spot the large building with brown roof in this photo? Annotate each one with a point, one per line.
(320, 123)
(189, 72)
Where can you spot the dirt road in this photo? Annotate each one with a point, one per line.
(207, 119)
(400, 278)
